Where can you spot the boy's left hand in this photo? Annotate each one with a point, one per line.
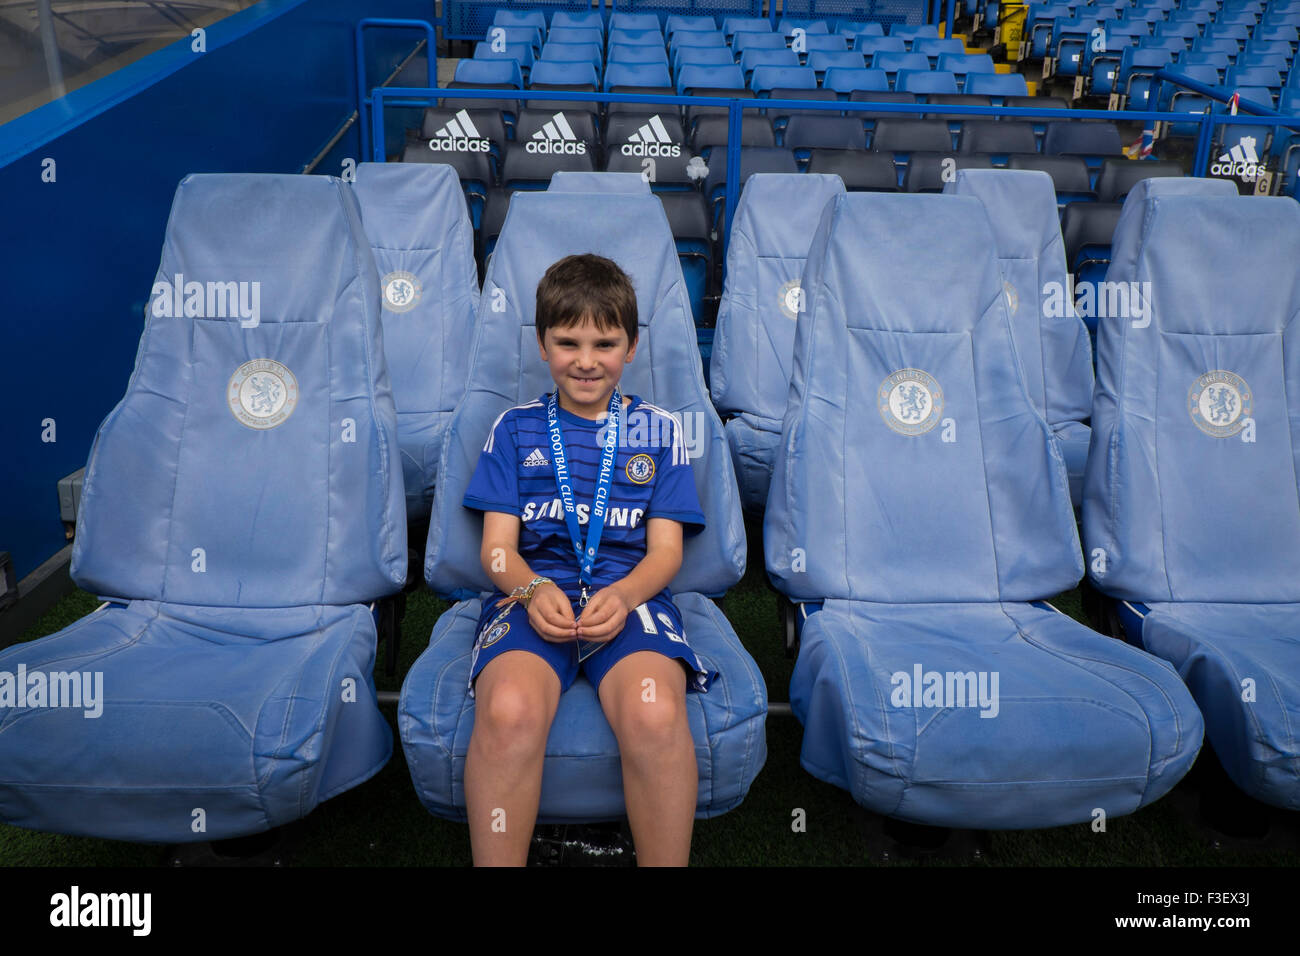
(604, 616)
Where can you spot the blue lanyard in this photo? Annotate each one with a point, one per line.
(596, 522)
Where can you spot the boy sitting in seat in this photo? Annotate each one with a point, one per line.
(586, 496)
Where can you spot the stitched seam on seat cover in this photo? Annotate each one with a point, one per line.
(1074, 659)
(176, 475)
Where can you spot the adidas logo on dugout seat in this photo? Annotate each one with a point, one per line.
(557, 136)
(1241, 160)
(460, 135)
(652, 139)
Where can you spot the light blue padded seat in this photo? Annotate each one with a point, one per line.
(582, 780)
(919, 501)
(419, 231)
(1051, 340)
(753, 346)
(1191, 508)
(241, 503)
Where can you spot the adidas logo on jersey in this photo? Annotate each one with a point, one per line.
(1241, 160)
(460, 135)
(652, 139)
(557, 136)
(536, 459)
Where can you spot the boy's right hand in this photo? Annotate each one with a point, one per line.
(551, 614)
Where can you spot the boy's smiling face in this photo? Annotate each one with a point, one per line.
(586, 363)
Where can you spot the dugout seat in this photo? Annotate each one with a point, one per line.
(241, 503)
(1052, 344)
(1204, 573)
(582, 780)
(761, 300)
(423, 244)
(919, 531)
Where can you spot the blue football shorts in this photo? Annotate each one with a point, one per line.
(655, 625)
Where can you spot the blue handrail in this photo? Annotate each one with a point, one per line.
(431, 38)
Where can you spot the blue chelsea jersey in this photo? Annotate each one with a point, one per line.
(652, 479)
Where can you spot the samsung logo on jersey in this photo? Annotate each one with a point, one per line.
(554, 510)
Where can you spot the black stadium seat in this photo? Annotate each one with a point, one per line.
(711, 131)
(997, 136)
(1069, 174)
(911, 135)
(806, 131)
(925, 171)
(1118, 176)
(865, 172)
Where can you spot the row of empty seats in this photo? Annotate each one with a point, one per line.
(924, 545)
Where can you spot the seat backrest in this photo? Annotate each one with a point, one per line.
(504, 371)
(1119, 176)
(253, 461)
(1051, 340)
(1191, 490)
(912, 426)
(761, 299)
(566, 182)
(420, 235)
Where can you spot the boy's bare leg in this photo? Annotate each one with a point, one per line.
(515, 699)
(644, 699)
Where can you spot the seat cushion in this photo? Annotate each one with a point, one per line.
(1254, 727)
(582, 780)
(1063, 720)
(753, 441)
(251, 716)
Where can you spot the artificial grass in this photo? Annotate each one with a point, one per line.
(381, 822)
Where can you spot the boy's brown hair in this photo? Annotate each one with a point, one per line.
(586, 287)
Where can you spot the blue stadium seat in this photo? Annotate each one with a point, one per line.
(1223, 45)
(822, 60)
(910, 32)
(701, 56)
(870, 45)
(996, 84)
(530, 35)
(582, 20)
(423, 244)
(505, 17)
(241, 505)
(925, 81)
(753, 58)
(1054, 349)
(761, 299)
(758, 41)
(634, 21)
(635, 37)
(637, 74)
(574, 75)
(692, 227)
(908, 625)
(677, 23)
(766, 78)
(1229, 625)
(852, 30)
(710, 77)
(825, 43)
(576, 35)
(811, 27)
(1137, 68)
(934, 49)
(685, 41)
(734, 25)
(892, 63)
(582, 780)
(621, 53)
(848, 79)
(500, 74)
(557, 52)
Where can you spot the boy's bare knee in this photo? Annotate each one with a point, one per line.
(513, 710)
(653, 726)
